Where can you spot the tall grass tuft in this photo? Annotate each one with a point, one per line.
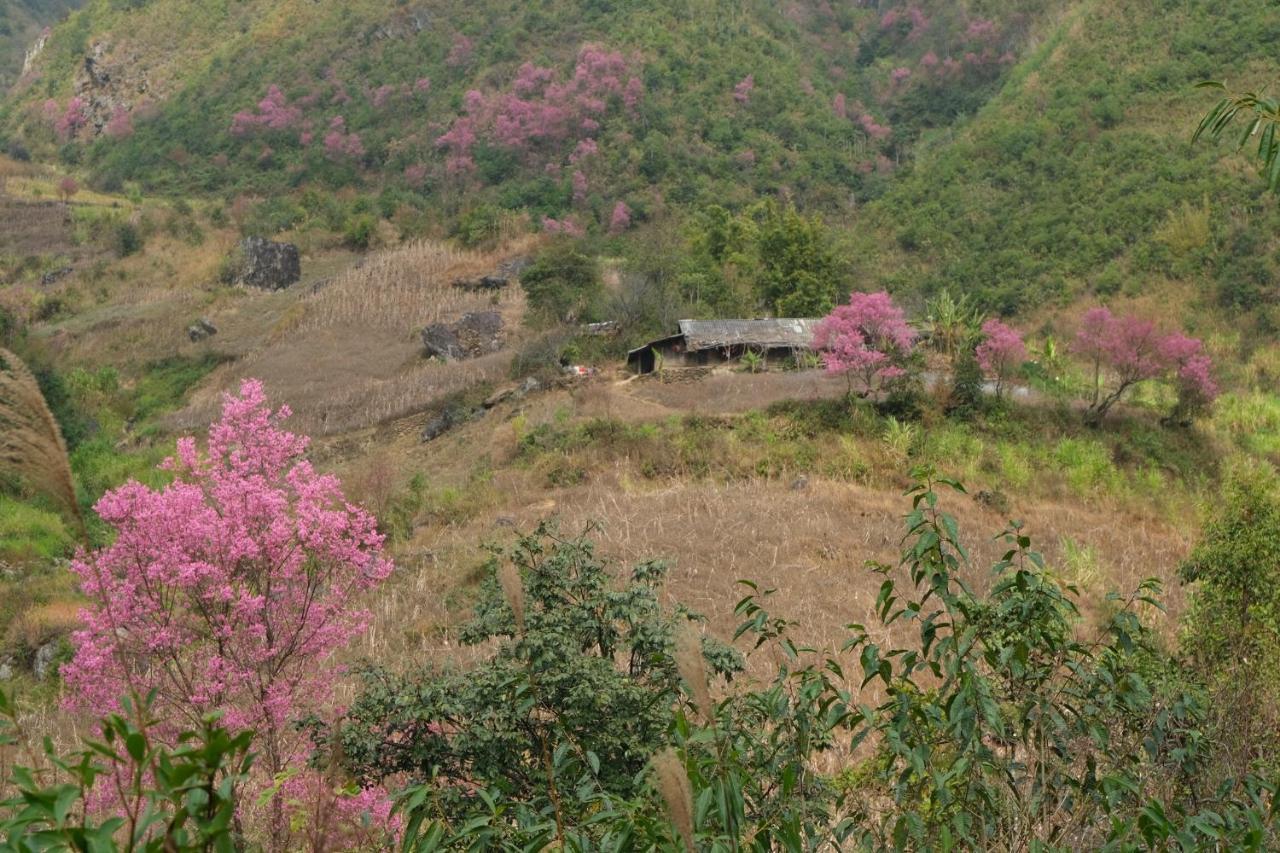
(513, 592)
(672, 783)
(31, 445)
(692, 667)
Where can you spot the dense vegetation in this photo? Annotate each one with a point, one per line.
(1029, 279)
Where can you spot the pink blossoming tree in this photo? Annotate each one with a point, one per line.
(620, 220)
(67, 123)
(868, 339)
(120, 125)
(230, 590)
(1125, 351)
(1001, 353)
(339, 144)
(274, 112)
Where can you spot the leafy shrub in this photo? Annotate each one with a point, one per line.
(1000, 728)
(182, 795)
(563, 283)
(582, 667)
(1233, 623)
(128, 239)
(360, 231)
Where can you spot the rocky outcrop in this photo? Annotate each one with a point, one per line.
(486, 283)
(477, 333)
(201, 330)
(54, 276)
(264, 264)
(514, 267)
(106, 84)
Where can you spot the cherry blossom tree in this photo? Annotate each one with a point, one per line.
(338, 143)
(567, 226)
(1125, 351)
(461, 52)
(68, 187)
(415, 174)
(230, 590)
(1001, 352)
(620, 220)
(68, 123)
(274, 112)
(542, 116)
(868, 338)
(120, 125)
(1193, 374)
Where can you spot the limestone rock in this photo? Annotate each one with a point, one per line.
(477, 333)
(265, 264)
(42, 666)
(201, 329)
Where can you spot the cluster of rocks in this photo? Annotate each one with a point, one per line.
(201, 329)
(456, 415)
(475, 334)
(993, 500)
(404, 25)
(109, 82)
(43, 663)
(262, 263)
(499, 279)
(483, 284)
(56, 275)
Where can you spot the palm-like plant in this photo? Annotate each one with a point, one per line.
(1262, 116)
(952, 322)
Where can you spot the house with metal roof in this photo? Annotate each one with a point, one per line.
(708, 342)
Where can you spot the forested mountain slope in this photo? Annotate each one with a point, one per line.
(1079, 177)
(21, 23)
(559, 108)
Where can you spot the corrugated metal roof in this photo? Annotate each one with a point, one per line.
(785, 332)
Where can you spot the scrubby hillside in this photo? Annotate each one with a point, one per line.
(1079, 180)
(561, 109)
(21, 26)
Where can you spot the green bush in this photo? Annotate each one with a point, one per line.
(563, 283)
(128, 239)
(360, 231)
(1000, 726)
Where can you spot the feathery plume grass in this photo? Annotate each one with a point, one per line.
(31, 444)
(513, 592)
(672, 783)
(692, 667)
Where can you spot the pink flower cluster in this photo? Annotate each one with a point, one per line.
(415, 175)
(68, 122)
(274, 112)
(981, 29)
(873, 128)
(541, 113)
(567, 226)
(228, 590)
(1001, 352)
(1133, 350)
(868, 337)
(461, 52)
(120, 125)
(338, 143)
(621, 219)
